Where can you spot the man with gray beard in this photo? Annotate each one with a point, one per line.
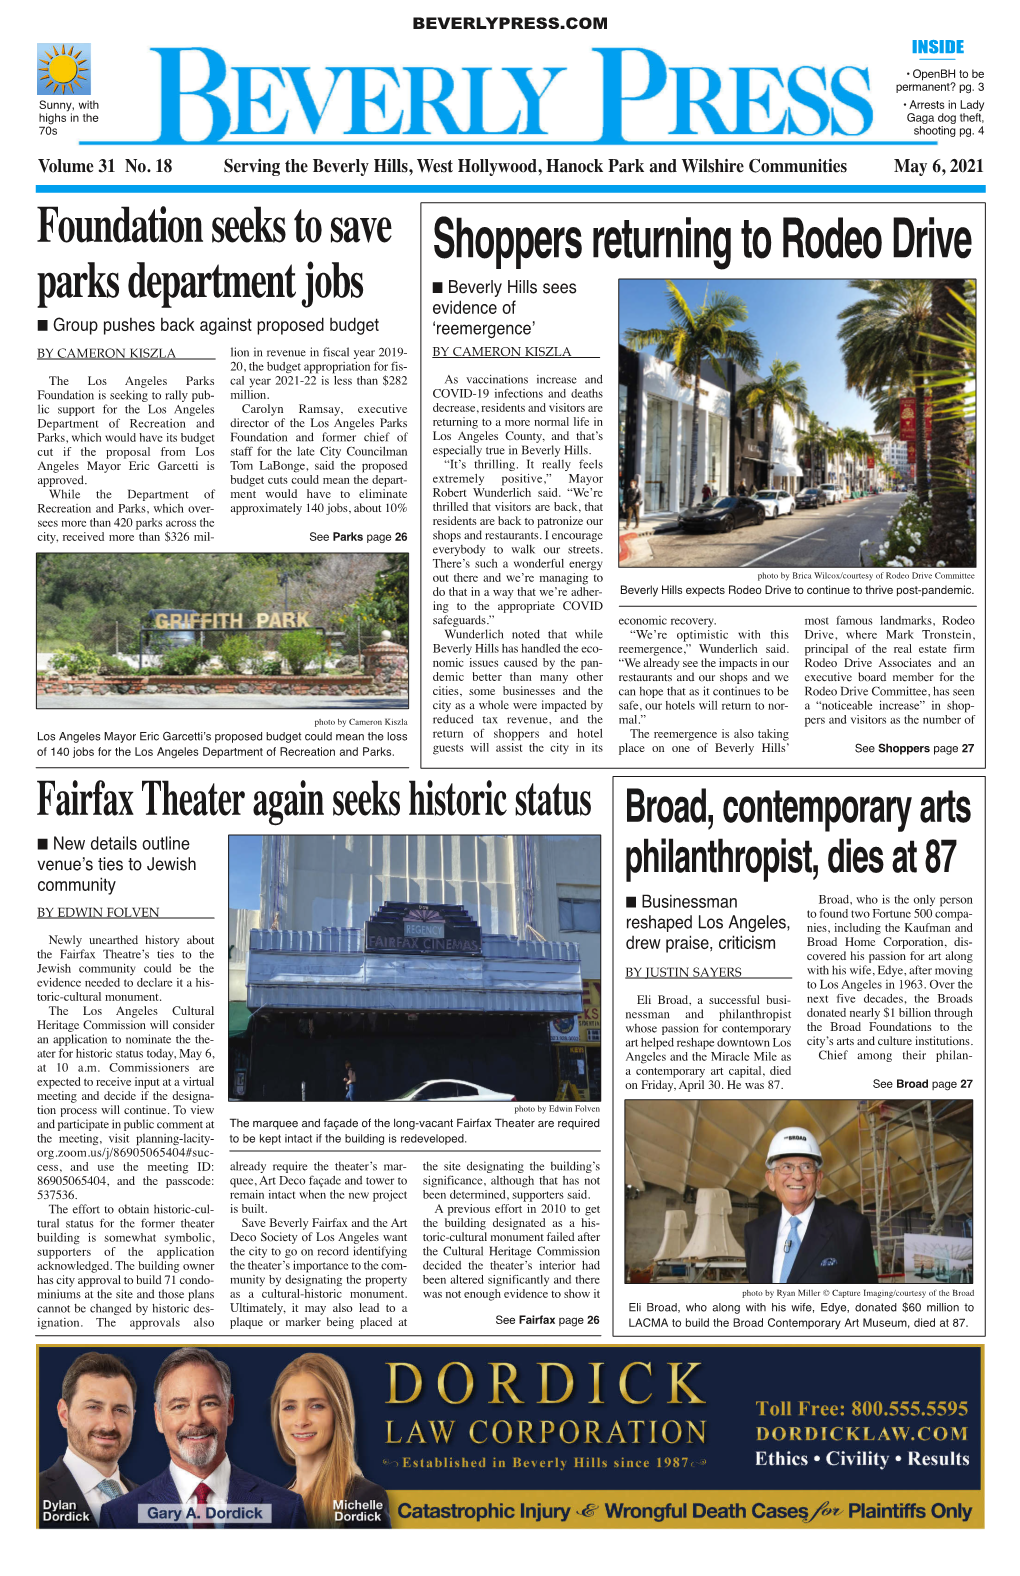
(200, 1490)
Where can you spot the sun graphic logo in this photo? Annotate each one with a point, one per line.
(64, 68)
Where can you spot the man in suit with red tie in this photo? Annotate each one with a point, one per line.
(201, 1490)
(808, 1240)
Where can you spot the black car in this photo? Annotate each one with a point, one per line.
(811, 498)
(717, 514)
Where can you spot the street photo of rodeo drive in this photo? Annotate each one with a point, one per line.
(797, 424)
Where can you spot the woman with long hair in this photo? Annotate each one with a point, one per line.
(312, 1413)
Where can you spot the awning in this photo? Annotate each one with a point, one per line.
(311, 970)
(238, 1018)
(784, 468)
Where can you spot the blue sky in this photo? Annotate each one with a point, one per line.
(245, 872)
(794, 319)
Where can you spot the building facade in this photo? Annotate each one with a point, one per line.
(894, 453)
(423, 958)
(656, 432)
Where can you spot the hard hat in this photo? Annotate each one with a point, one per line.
(793, 1141)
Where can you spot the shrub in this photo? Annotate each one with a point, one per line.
(907, 538)
(300, 647)
(76, 660)
(111, 667)
(271, 666)
(236, 651)
(183, 661)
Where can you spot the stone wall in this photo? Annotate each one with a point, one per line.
(228, 684)
(386, 662)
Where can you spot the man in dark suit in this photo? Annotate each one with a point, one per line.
(201, 1490)
(97, 1408)
(808, 1239)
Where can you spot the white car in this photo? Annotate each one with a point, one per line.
(452, 1089)
(833, 493)
(774, 502)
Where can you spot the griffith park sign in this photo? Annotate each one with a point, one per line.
(295, 619)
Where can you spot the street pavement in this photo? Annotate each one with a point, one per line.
(215, 703)
(827, 538)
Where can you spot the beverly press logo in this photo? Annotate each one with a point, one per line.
(64, 69)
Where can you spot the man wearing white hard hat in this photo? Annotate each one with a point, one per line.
(809, 1239)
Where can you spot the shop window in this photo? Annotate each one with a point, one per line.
(658, 454)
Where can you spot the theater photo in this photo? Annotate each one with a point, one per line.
(415, 968)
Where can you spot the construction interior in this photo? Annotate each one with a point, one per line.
(695, 1174)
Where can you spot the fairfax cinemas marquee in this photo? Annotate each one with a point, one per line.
(413, 927)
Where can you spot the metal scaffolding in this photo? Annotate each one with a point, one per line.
(879, 1122)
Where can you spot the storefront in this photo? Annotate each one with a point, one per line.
(662, 412)
(629, 381)
(417, 993)
(578, 1041)
(787, 474)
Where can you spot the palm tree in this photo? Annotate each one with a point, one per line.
(883, 339)
(860, 447)
(952, 386)
(817, 432)
(696, 335)
(781, 389)
(885, 407)
(843, 444)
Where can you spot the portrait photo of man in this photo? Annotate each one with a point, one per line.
(201, 1489)
(808, 1239)
(97, 1409)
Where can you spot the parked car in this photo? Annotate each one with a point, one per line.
(833, 494)
(717, 514)
(776, 502)
(451, 1089)
(811, 498)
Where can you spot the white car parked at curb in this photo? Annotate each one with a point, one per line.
(452, 1089)
(775, 502)
(833, 493)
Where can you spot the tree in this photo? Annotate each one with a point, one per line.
(884, 344)
(86, 596)
(817, 433)
(329, 588)
(781, 390)
(951, 381)
(392, 584)
(696, 335)
(855, 446)
(839, 440)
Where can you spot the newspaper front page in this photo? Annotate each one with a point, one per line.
(505, 497)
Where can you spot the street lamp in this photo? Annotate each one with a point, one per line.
(284, 580)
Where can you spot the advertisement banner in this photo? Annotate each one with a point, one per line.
(588, 1437)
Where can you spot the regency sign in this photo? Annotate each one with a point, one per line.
(424, 929)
